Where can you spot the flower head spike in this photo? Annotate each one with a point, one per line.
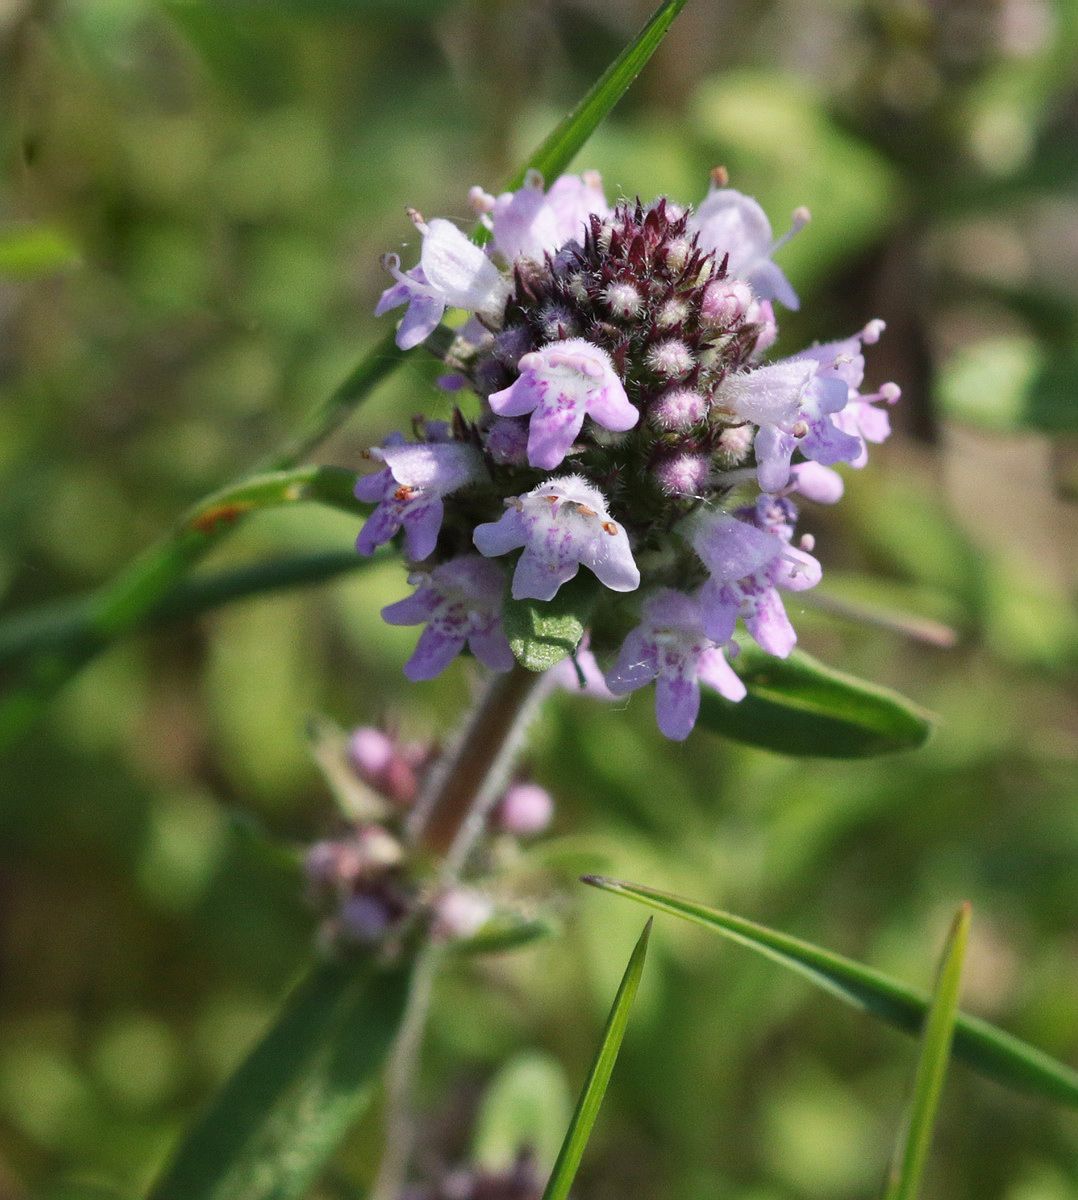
(670, 646)
(733, 224)
(460, 603)
(749, 560)
(561, 524)
(410, 489)
(559, 385)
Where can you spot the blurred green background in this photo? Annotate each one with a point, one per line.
(193, 201)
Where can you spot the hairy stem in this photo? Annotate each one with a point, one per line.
(450, 813)
(449, 819)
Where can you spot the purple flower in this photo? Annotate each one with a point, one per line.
(670, 646)
(561, 523)
(560, 385)
(792, 402)
(748, 564)
(460, 602)
(530, 223)
(732, 224)
(409, 491)
(453, 272)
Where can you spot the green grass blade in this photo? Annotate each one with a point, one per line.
(911, 1151)
(587, 1106)
(273, 1127)
(977, 1043)
(563, 143)
(800, 706)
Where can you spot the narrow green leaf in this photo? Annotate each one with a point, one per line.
(799, 706)
(542, 633)
(562, 144)
(587, 1106)
(980, 1045)
(63, 639)
(30, 251)
(273, 1127)
(911, 1151)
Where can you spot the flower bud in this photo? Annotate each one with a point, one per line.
(459, 913)
(683, 474)
(623, 300)
(383, 764)
(671, 359)
(725, 301)
(524, 810)
(678, 410)
(733, 445)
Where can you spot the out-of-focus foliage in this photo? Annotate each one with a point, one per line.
(192, 204)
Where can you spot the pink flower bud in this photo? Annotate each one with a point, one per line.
(678, 410)
(725, 301)
(525, 809)
(683, 474)
(460, 913)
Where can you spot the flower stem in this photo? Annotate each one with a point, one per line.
(453, 807)
(448, 820)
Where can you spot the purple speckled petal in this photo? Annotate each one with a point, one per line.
(637, 664)
(434, 651)
(422, 521)
(412, 610)
(719, 607)
(501, 536)
(716, 672)
(379, 527)
(768, 623)
(827, 444)
(611, 407)
(555, 424)
(518, 399)
(371, 488)
(538, 578)
(677, 704)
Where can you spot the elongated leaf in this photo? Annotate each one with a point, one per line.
(979, 1044)
(29, 251)
(799, 706)
(275, 1124)
(912, 1149)
(562, 144)
(587, 1106)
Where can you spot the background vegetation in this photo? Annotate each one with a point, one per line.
(193, 200)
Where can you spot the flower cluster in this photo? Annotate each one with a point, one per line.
(364, 879)
(625, 421)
